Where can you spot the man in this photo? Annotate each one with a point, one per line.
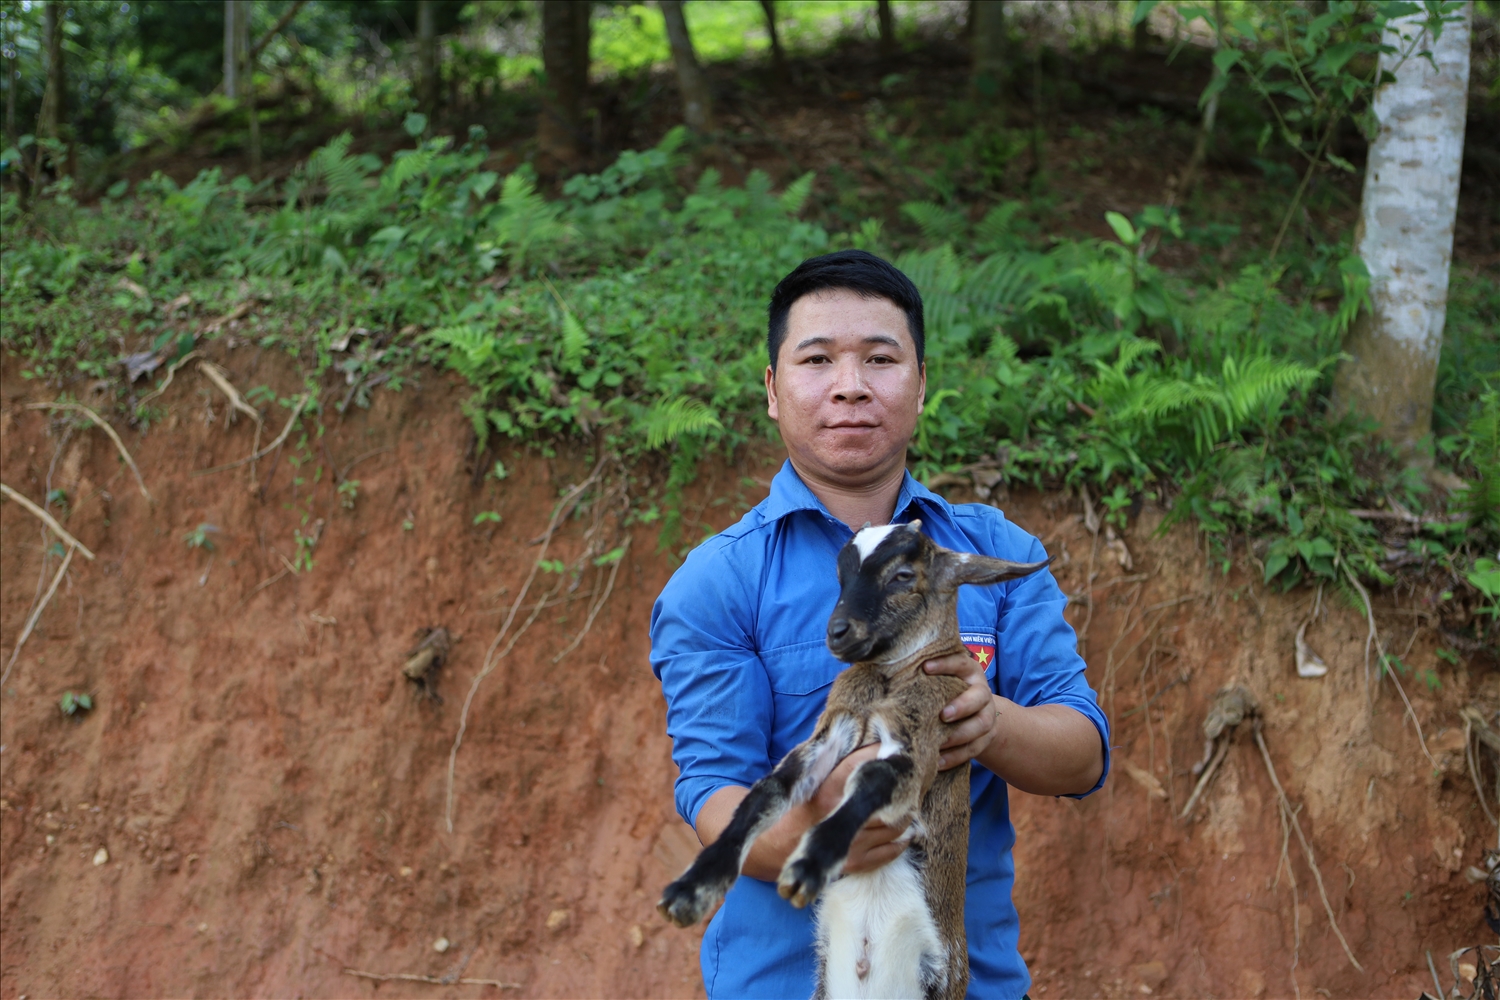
(737, 636)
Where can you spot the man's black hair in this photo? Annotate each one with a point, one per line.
(855, 270)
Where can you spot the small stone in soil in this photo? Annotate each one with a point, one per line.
(101, 857)
(558, 919)
(441, 945)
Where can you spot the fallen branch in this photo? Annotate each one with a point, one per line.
(47, 519)
(407, 977)
(1312, 863)
(37, 613)
(490, 657)
(262, 453)
(190, 355)
(104, 425)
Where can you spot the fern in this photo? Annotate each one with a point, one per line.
(938, 224)
(796, 193)
(669, 419)
(528, 223)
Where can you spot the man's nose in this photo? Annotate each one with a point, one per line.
(850, 386)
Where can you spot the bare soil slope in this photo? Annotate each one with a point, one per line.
(270, 791)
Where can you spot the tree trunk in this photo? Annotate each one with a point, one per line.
(1405, 237)
(1189, 179)
(565, 65)
(987, 27)
(887, 28)
(778, 55)
(697, 100)
(54, 97)
(233, 57)
(427, 55)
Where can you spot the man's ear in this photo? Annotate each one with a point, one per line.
(771, 392)
(954, 569)
(921, 387)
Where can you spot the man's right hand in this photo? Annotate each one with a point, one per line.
(873, 846)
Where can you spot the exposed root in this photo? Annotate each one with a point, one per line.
(1474, 771)
(1205, 778)
(490, 656)
(262, 453)
(171, 371)
(407, 977)
(104, 426)
(47, 519)
(597, 605)
(1374, 638)
(1291, 814)
(36, 614)
(220, 378)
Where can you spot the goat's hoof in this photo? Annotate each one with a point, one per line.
(684, 904)
(800, 883)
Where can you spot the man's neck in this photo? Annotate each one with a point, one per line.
(855, 504)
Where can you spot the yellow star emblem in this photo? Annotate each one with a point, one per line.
(983, 657)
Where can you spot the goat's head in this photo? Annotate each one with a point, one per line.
(897, 591)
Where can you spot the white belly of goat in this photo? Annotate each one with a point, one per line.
(876, 936)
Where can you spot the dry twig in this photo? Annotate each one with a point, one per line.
(490, 657)
(407, 977)
(292, 420)
(103, 425)
(47, 519)
(1207, 776)
(36, 614)
(1312, 863)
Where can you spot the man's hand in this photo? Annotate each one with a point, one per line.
(873, 846)
(971, 716)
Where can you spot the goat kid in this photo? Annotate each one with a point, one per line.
(897, 931)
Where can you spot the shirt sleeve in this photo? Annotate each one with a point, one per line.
(1037, 649)
(719, 703)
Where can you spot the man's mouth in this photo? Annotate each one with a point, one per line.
(851, 425)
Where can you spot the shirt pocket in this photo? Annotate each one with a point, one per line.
(803, 668)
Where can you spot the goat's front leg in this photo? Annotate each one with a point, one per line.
(874, 786)
(792, 782)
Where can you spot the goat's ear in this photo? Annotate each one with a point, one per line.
(955, 569)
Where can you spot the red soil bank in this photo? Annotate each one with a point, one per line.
(270, 790)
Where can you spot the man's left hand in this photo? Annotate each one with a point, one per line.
(971, 716)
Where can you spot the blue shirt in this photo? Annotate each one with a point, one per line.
(737, 642)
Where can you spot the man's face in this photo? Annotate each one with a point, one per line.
(847, 388)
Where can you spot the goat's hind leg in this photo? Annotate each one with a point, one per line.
(793, 781)
(820, 858)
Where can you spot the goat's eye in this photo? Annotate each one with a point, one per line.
(903, 576)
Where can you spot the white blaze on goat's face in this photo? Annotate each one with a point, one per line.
(868, 539)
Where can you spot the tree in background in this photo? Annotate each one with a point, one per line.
(887, 28)
(565, 68)
(778, 55)
(1405, 234)
(987, 38)
(427, 85)
(236, 44)
(697, 99)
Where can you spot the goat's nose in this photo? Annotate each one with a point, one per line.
(838, 628)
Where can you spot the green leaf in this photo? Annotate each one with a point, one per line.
(415, 124)
(1123, 229)
(487, 515)
(1143, 10)
(612, 556)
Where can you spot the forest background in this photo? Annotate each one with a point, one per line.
(1133, 225)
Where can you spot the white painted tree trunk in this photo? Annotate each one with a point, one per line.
(1405, 234)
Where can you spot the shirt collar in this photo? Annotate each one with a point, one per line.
(790, 494)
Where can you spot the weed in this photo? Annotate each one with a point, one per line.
(72, 703)
(348, 492)
(487, 516)
(198, 537)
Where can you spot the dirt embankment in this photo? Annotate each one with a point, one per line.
(270, 791)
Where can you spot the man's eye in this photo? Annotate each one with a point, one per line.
(816, 359)
(881, 359)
